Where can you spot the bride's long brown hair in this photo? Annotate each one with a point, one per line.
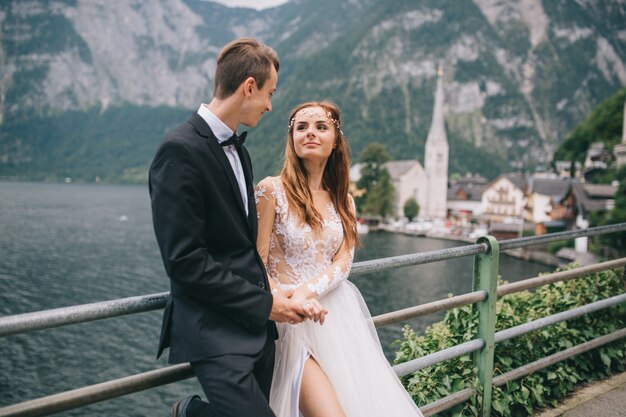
(335, 180)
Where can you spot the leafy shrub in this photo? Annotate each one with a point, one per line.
(521, 397)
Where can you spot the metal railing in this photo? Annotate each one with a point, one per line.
(484, 295)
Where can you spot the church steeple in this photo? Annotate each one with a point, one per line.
(436, 157)
(437, 130)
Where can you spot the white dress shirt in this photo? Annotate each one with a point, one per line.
(222, 133)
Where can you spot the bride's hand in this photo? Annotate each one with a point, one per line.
(313, 308)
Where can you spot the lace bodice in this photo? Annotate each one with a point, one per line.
(294, 253)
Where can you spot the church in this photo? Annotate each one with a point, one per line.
(428, 185)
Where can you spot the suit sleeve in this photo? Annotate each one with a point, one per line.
(178, 208)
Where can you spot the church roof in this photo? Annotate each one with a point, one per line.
(397, 169)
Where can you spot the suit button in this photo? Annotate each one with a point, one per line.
(262, 285)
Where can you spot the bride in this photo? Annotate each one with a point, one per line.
(307, 235)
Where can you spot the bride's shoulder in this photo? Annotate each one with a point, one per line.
(351, 202)
(269, 183)
(267, 187)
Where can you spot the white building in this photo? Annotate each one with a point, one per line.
(504, 197)
(409, 181)
(543, 195)
(465, 196)
(427, 186)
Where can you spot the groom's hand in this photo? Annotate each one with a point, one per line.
(286, 310)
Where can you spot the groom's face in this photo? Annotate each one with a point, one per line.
(260, 100)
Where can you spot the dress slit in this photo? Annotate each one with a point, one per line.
(305, 354)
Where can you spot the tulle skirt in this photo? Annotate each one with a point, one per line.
(348, 350)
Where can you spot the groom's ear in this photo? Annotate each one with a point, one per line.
(249, 85)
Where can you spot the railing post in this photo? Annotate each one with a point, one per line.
(486, 267)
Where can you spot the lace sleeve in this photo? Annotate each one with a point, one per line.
(338, 271)
(265, 200)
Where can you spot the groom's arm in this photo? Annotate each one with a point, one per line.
(178, 210)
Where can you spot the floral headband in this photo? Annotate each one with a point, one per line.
(310, 112)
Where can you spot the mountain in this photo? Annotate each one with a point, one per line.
(88, 88)
(604, 124)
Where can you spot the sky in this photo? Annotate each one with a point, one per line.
(254, 4)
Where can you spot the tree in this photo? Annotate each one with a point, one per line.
(615, 241)
(411, 208)
(379, 195)
(604, 124)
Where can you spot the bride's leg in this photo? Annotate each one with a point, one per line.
(317, 395)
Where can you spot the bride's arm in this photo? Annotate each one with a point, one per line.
(265, 200)
(338, 271)
(283, 308)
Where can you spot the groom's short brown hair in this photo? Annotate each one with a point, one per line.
(240, 59)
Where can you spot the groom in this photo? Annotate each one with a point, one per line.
(220, 315)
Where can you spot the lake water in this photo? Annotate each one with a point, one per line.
(68, 244)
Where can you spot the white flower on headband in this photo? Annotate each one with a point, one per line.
(309, 111)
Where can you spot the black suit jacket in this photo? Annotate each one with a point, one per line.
(220, 300)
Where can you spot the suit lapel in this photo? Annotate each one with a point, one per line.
(215, 147)
(247, 172)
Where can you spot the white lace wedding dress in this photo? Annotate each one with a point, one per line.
(346, 346)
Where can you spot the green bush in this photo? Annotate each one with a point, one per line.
(523, 396)
(411, 208)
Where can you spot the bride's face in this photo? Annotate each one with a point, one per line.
(314, 134)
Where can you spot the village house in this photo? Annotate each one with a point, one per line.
(588, 199)
(542, 196)
(504, 198)
(465, 197)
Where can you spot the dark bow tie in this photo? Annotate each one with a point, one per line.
(236, 140)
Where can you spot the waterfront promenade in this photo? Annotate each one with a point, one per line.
(606, 398)
(541, 255)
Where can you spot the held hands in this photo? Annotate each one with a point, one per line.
(314, 310)
(290, 307)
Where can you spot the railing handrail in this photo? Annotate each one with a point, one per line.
(485, 294)
(46, 319)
